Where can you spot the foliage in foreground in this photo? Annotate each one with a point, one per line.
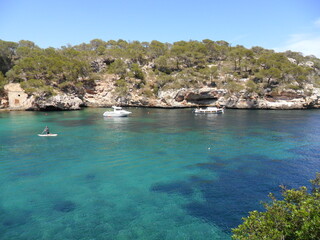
(295, 217)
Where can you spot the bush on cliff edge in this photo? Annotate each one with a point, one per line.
(295, 217)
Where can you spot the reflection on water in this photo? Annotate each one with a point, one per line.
(157, 174)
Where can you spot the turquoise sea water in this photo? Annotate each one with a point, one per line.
(158, 174)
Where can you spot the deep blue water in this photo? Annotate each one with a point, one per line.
(158, 174)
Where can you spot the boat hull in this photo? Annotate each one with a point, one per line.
(117, 114)
(209, 110)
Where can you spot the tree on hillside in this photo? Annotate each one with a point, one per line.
(25, 48)
(165, 64)
(136, 52)
(122, 44)
(269, 74)
(212, 50)
(3, 82)
(210, 73)
(189, 54)
(178, 52)
(296, 217)
(157, 49)
(118, 67)
(241, 57)
(274, 60)
(136, 71)
(236, 55)
(258, 51)
(223, 48)
(98, 45)
(298, 56)
(7, 53)
(50, 66)
(297, 74)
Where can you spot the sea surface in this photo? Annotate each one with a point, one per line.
(157, 174)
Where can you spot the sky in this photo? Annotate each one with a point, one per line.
(274, 24)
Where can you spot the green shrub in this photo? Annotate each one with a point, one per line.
(252, 86)
(296, 217)
(122, 87)
(233, 86)
(37, 86)
(35, 83)
(3, 81)
(137, 72)
(164, 79)
(155, 89)
(293, 87)
(148, 93)
(121, 83)
(118, 67)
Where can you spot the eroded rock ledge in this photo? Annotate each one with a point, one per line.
(104, 95)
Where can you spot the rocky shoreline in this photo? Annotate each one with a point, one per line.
(102, 95)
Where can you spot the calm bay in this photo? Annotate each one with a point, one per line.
(157, 174)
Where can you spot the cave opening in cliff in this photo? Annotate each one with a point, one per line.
(51, 108)
(203, 101)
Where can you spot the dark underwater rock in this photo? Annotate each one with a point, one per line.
(64, 206)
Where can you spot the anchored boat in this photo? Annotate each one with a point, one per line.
(117, 112)
(215, 110)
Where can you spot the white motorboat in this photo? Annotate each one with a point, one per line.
(215, 110)
(117, 112)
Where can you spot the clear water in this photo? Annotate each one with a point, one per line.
(158, 174)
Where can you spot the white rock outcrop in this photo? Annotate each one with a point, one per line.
(59, 102)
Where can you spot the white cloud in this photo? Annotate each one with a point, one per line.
(317, 22)
(306, 43)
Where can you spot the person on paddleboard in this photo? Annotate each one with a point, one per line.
(46, 130)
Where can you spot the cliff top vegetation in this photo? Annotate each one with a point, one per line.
(148, 67)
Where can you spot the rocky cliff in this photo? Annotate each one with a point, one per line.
(182, 74)
(103, 94)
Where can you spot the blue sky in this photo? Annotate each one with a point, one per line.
(273, 24)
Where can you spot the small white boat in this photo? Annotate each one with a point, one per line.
(215, 110)
(117, 112)
(48, 135)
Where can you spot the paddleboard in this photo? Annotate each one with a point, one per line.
(48, 135)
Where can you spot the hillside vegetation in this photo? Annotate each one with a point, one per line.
(147, 67)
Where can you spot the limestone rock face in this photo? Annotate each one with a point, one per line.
(59, 102)
(313, 101)
(191, 97)
(105, 94)
(286, 100)
(99, 64)
(4, 103)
